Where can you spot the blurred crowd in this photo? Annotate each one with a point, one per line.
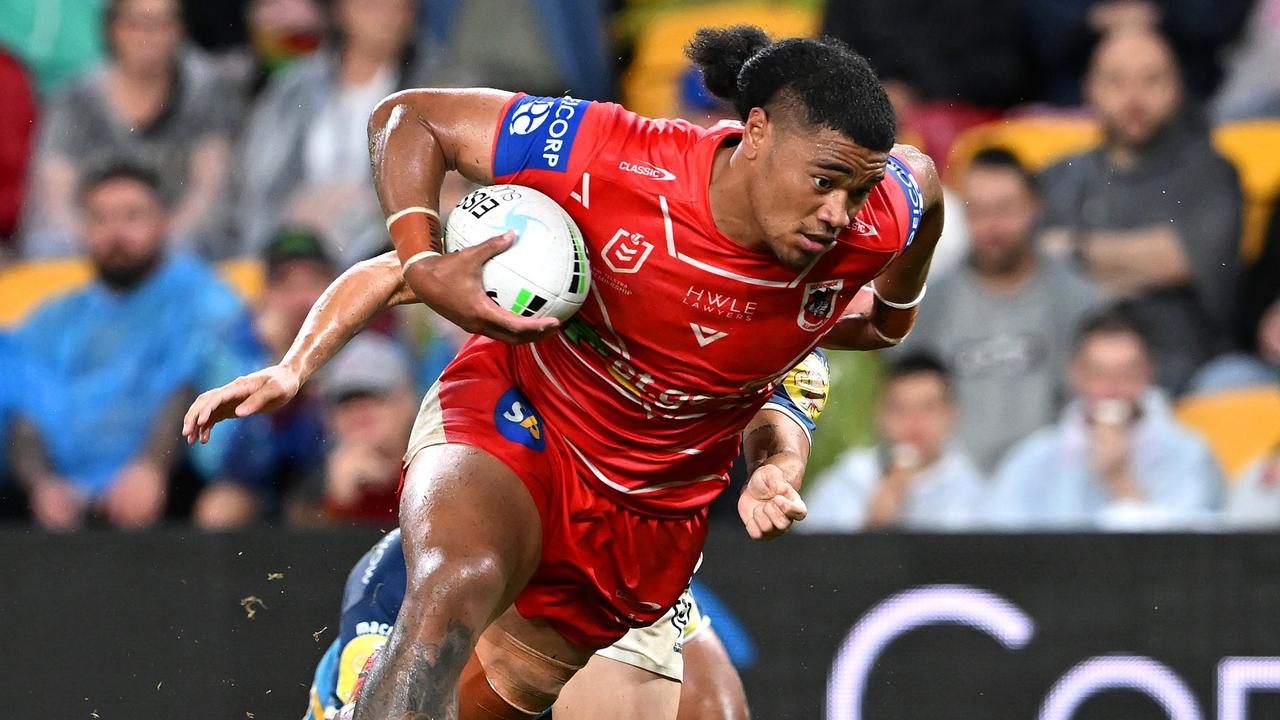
(1099, 347)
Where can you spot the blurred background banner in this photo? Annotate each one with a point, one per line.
(874, 627)
(891, 627)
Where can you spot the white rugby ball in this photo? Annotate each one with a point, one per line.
(545, 272)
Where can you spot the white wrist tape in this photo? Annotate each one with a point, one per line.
(900, 306)
(885, 339)
(409, 211)
(420, 256)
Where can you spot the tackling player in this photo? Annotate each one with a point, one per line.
(526, 551)
(678, 659)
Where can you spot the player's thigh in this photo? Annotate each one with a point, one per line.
(607, 689)
(712, 689)
(471, 534)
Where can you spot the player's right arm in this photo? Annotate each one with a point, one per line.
(347, 305)
(886, 318)
(415, 137)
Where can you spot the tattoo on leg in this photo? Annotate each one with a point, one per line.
(417, 681)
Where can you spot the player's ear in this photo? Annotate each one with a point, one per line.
(757, 132)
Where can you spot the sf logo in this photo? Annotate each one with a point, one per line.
(528, 422)
(516, 420)
(626, 252)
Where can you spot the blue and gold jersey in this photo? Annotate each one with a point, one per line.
(802, 394)
(372, 599)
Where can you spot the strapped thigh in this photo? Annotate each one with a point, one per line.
(526, 678)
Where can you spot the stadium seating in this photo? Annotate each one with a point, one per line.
(1037, 141)
(1253, 146)
(935, 126)
(25, 286)
(649, 84)
(1239, 425)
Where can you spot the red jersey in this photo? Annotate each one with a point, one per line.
(685, 332)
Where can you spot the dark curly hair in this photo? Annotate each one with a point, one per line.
(835, 85)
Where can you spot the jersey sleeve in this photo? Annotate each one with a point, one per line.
(908, 203)
(802, 394)
(547, 143)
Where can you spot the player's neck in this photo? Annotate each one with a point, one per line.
(730, 200)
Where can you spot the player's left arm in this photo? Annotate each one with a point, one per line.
(346, 307)
(900, 287)
(776, 447)
(776, 450)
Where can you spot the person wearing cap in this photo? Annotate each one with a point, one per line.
(273, 453)
(298, 269)
(369, 402)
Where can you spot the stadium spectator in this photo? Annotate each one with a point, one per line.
(118, 361)
(1259, 285)
(1063, 34)
(1257, 366)
(1154, 213)
(441, 344)
(281, 32)
(370, 402)
(269, 455)
(1254, 499)
(1004, 321)
(153, 102)
(57, 41)
(542, 47)
(1234, 401)
(1251, 88)
(305, 154)
(14, 382)
(982, 52)
(17, 126)
(916, 478)
(298, 269)
(266, 38)
(1117, 460)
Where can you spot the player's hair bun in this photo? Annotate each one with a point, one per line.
(834, 85)
(721, 53)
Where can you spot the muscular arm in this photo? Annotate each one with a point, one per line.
(902, 281)
(774, 438)
(345, 308)
(776, 450)
(415, 137)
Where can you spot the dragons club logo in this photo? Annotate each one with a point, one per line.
(819, 304)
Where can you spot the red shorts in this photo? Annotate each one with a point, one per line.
(605, 568)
